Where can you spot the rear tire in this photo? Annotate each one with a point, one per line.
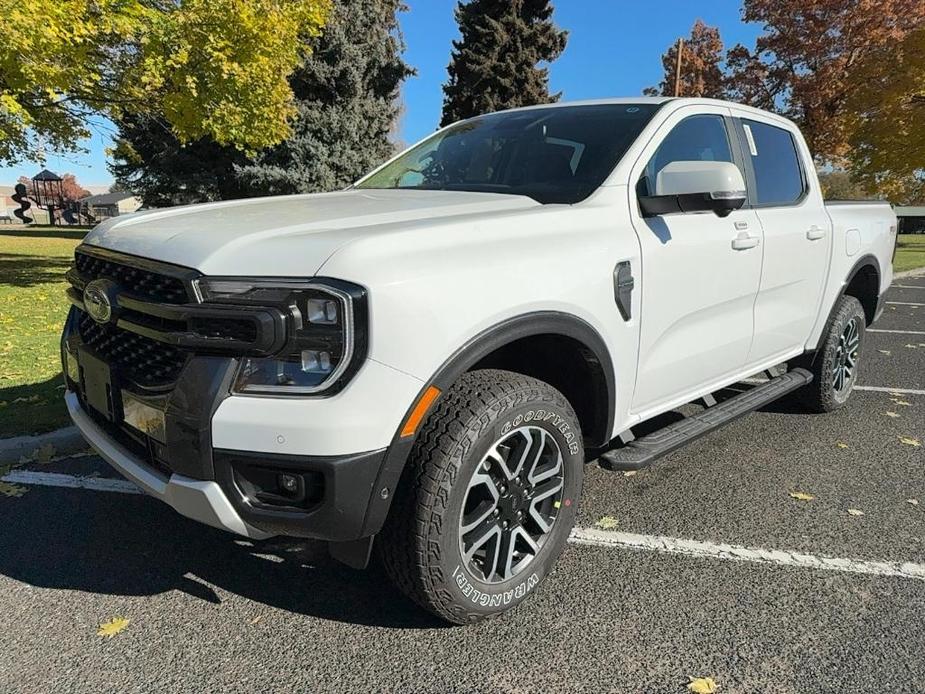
(835, 365)
(487, 499)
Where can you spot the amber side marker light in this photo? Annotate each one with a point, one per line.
(420, 409)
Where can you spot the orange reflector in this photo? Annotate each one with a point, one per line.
(417, 414)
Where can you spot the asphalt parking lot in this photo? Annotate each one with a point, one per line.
(812, 598)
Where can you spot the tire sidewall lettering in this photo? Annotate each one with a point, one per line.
(486, 597)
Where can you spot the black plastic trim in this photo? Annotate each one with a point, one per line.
(623, 285)
(865, 261)
(339, 517)
(657, 205)
(486, 342)
(269, 324)
(180, 272)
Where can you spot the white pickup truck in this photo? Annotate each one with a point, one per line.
(420, 366)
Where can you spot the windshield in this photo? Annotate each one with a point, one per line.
(553, 154)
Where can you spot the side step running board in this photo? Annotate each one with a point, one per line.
(642, 452)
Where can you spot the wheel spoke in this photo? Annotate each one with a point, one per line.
(486, 532)
(474, 518)
(506, 555)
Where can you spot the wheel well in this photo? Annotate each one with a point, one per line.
(567, 365)
(865, 287)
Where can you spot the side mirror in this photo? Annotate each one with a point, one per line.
(696, 186)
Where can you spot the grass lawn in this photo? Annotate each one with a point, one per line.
(910, 253)
(32, 311)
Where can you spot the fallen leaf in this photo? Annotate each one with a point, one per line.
(607, 523)
(257, 619)
(855, 512)
(884, 351)
(801, 496)
(841, 444)
(910, 441)
(895, 395)
(891, 414)
(902, 403)
(112, 627)
(914, 502)
(44, 453)
(8, 489)
(629, 473)
(702, 685)
(912, 346)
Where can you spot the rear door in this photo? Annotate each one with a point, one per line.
(797, 237)
(698, 289)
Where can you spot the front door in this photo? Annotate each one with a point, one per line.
(698, 287)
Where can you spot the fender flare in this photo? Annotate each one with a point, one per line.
(868, 260)
(473, 351)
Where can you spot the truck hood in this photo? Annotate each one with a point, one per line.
(286, 236)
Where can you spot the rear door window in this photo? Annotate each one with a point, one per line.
(776, 162)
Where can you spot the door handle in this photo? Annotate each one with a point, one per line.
(815, 233)
(743, 242)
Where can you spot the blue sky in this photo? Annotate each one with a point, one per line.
(614, 49)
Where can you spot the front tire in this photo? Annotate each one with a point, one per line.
(488, 497)
(835, 365)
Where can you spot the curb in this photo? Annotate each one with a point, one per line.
(66, 441)
(909, 273)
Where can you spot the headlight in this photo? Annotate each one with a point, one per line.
(327, 329)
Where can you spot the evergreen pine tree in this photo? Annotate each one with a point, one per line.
(495, 65)
(347, 93)
(150, 162)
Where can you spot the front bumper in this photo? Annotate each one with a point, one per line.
(200, 500)
(340, 513)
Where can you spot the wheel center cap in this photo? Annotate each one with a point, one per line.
(515, 500)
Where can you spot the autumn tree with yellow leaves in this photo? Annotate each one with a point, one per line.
(887, 141)
(215, 68)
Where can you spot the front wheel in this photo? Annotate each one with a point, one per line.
(488, 498)
(835, 365)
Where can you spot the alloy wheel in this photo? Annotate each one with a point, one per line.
(846, 357)
(511, 504)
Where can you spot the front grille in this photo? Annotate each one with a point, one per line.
(141, 360)
(157, 322)
(138, 281)
(227, 329)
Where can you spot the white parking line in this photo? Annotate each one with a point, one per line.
(881, 389)
(896, 332)
(57, 479)
(580, 536)
(905, 303)
(711, 550)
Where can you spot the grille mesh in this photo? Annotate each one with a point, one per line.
(139, 282)
(143, 361)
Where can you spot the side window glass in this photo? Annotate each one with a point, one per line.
(698, 138)
(778, 176)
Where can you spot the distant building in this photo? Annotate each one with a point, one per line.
(108, 205)
(911, 220)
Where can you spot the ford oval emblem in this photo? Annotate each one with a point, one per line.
(97, 302)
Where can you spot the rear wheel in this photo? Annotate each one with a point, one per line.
(835, 365)
(488, 498)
